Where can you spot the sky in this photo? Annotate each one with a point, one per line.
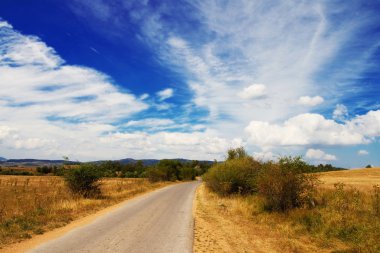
(97, 79)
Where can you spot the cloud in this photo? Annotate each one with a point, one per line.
(73, 105)
(317, 154)
(363, 152)
(310, 101)
(313, 129)
(144, 96)
(165, 94)
(264, 156)
(340, 113)
(171, 144)
(49, 109)
(150, 122)
(253, 91)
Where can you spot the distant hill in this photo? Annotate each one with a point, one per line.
(149, 162)
(146, 162)
(42, 162)
(32, 162)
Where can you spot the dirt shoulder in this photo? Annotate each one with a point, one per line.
(228, 225)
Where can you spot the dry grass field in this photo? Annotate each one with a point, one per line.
(32, 205)
(362, 179)
(345, 219)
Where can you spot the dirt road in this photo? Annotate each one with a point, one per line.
(158, 222)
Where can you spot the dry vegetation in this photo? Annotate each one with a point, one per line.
(32, 205)
(362, 179)
(346, 219)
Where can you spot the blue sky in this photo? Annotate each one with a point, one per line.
(165, 79)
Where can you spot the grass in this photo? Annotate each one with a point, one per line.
(31, 205)
(346, 219)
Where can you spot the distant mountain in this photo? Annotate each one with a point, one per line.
(146, 162)
(42, 162)
(32, 162)
(149, 162)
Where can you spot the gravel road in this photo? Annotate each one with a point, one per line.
(157, 222)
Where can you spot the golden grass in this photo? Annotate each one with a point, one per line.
(362, 179)
(237, 224)
(31, 205)
(344, 220)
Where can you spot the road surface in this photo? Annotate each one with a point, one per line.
(157, 222)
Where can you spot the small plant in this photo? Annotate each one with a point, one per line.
(84, 180)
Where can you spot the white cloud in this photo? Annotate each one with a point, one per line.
(238, 46)
(144, 96)
(314, 129)
(49, 108)
(173, 144)
(363, 152)
(165, 94)
(253, 91)
(317, 154)
(276, 43)
(5, 24)
(310, 101)
(340, 113)
(265, 156)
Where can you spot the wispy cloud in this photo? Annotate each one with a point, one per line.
(363, 152)
(165, 94)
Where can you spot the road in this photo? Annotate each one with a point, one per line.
(157, 222)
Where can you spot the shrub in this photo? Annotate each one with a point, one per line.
(84, 180)
(236, 153)
(233, 176)
(188, 173)
(155, 175)
(284, 185)
(44, 169)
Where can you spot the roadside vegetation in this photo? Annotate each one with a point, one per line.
(31, 205)
(280, 206)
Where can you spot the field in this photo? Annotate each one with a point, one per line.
(345, 219)
(31, 205)
(362, 179)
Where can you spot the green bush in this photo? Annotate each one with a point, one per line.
(284, 185)
(155, 175)
(236, 175)
(84, 180)
(188, 173)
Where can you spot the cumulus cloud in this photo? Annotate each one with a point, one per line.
(314, 129)
(264, 156)
(340, 112)
(170, 144)
(363, 152)
(319, 155)
(165, 94)
(310, 101)
(253, 91)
